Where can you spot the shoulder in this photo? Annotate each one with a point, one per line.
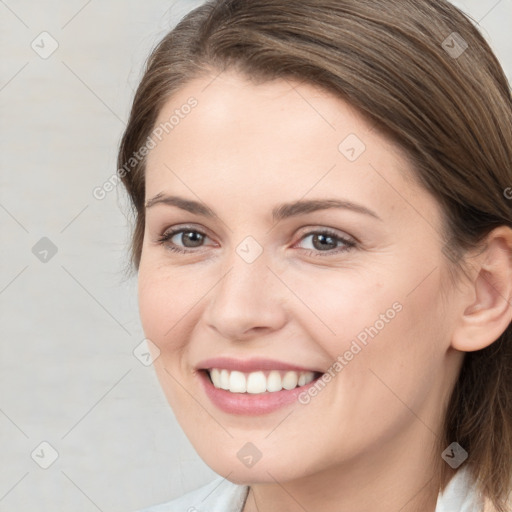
(220, 495)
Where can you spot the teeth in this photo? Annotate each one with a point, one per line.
(290, 380)
(237, 382)
(224, 379)
(256, 383)
(215, 376)
(260, 381)
(274, 382)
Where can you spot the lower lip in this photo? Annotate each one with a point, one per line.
(250, 404)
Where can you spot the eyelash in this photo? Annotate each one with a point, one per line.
(349, 244)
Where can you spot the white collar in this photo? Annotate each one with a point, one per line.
(460, 495)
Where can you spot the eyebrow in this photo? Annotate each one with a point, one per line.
(280, 212)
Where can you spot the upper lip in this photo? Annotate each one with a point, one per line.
(249, 365)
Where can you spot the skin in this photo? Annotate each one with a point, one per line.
(366, 442)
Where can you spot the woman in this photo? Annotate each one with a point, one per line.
(323, 240)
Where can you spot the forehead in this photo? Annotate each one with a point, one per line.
(250, 140)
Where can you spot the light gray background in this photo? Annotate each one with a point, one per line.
(69, 325)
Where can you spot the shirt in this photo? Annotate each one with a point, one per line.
(220, 495)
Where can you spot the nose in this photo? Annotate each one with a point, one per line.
(248, 301)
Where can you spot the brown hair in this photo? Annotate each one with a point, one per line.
(402, 64)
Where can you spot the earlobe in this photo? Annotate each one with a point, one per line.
(488, 309)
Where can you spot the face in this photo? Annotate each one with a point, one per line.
(291, 282)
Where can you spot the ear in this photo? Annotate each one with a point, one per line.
(486, 302)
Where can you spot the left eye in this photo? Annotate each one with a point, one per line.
(323, 241)
(326, 242)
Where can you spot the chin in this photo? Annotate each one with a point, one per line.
(264, 470)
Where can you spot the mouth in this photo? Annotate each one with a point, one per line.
(254, 387)
(260, 381)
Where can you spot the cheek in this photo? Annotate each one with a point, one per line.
(339, 306)
(384, 323)
(402, 364)
(153, 309)
(163, 303)
(391, 343)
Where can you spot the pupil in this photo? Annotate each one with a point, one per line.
(323, 238)
(193, 237)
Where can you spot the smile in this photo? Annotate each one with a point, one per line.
(253, 387)
(261, 381)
